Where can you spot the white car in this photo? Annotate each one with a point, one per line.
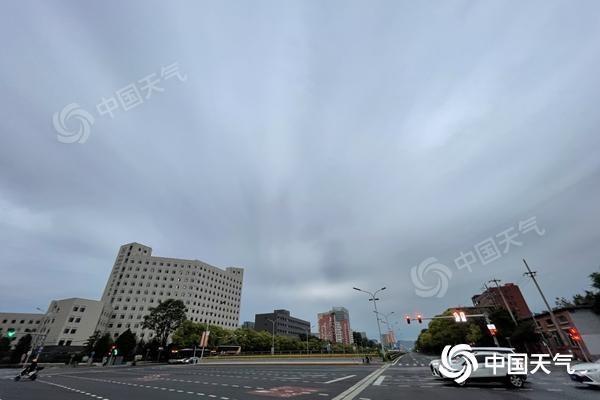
(434, 364)
(483, 373)
(176, 361)
(586, 373)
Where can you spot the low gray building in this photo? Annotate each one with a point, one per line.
(285, 324)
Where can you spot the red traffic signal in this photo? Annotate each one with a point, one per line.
(419, 318)
(407, 319)
(574, 334)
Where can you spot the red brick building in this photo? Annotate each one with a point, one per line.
(492, 298)
(334, 326)
(581, 328)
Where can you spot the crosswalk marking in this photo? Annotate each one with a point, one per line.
(379, 380)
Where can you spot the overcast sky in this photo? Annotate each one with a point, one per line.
(320, 145)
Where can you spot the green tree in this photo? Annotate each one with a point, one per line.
(165, 318)
(90, 343)
(474, 334)
(188, 334)
(126, 344)
(22, 347)
(102, 346)
(590, 297)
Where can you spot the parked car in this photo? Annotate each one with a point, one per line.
(586, 373)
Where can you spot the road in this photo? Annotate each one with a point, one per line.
(409, 377)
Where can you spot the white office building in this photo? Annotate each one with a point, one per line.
(67, 322)
(70, 322)
(139, 281)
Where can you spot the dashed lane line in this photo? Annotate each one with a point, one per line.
(74, 390)
(340, 379)
(145, 386)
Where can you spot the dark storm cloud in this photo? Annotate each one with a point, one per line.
(319, 145)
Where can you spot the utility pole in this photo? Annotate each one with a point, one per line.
(532, 275)
(497, 282)
(488, 294)
(374, 300)
(487, 321)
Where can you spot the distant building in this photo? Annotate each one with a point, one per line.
(22, 323)
(389, 339)
(581, 327)
(334, 326)
(285, 324)
(67, 323)
(248, 325)
(492, 297)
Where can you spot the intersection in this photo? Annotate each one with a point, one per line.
(408, 377)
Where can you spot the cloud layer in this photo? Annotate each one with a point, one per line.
(319, 145)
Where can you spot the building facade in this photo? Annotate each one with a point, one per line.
(580, 326)
(285, 324)
(70, 322)
(67, 322)
(334, 326)
(139, 281)
(248, 325)
(22, 323)
(492, 297)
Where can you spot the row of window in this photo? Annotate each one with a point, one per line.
(226, 288)
(206, 270)
(177, 287)
(14, 321)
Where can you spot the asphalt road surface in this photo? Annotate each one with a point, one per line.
(408, 378)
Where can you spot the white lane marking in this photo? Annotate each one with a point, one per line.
(72, 389)
(357, 388)
(379, 380)
(340, 379)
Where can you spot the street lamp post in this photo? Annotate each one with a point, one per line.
(307, 336)
(387, 322)
(273, 339)
(211, 313)
(37, 337)
(374, 300)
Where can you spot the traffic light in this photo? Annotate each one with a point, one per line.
(408, 319)
(574, 334)
(11, 333)
(459, 316)
(113, 350)
(419, 318)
